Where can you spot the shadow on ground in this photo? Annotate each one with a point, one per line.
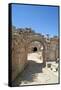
(29, 72)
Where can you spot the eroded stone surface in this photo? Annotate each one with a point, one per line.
(21, 40)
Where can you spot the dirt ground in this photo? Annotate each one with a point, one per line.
(35, 74)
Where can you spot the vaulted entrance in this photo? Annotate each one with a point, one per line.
(38, 47)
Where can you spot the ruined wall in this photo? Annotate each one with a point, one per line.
(53, 49)
(21, 40)
(19, 55)
(21, 45)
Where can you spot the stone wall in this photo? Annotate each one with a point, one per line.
(19, 56)
(53, 49)
(21, 45)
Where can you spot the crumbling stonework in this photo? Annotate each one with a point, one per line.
(21, 43)
(53, 49)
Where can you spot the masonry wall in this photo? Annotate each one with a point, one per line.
(20, 44)
(19, 56)
(53, 49)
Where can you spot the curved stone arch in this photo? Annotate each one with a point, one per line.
(43, 42)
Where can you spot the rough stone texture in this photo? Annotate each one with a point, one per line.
(21, 41)
(19, 56)
(53, 49)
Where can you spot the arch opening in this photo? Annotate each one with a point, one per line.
(34, 49)
(35, 52)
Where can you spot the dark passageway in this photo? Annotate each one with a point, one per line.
(34, 49)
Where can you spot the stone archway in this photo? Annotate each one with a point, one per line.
(19, 51)
(19, 48)
(44, 44)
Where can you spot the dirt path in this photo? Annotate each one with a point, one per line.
(34, 74)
